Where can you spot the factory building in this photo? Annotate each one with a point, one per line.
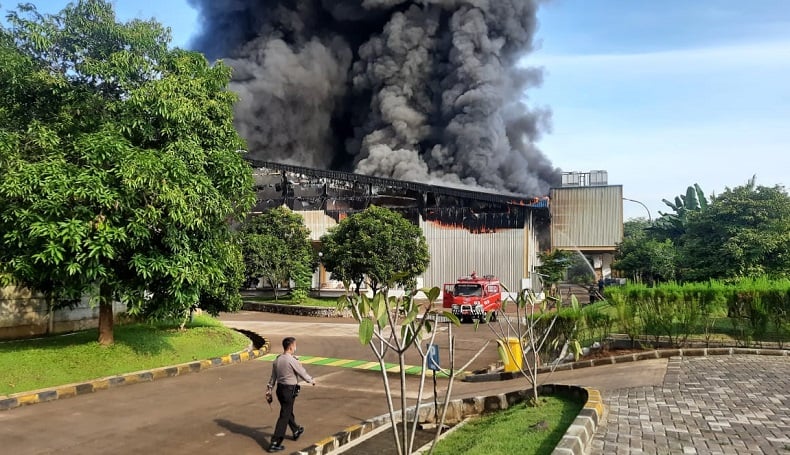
(487, 232)
(587, 217)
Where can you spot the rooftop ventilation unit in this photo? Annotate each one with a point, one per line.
(599, 178)
(571, 179)
(592, 178)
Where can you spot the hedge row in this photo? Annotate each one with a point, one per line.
(748, 309)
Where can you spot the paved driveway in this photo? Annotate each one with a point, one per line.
(700, 405)
(707, 405)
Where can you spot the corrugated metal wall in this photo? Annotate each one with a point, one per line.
(531, 257)
(587, 218)
(507, 253)
(318, 222)
(457, 252)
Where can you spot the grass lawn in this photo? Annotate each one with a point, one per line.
(27, 365)
(512, 431)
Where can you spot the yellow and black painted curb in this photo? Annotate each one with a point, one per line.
(359, 365)
(71, 390)
(578, 436)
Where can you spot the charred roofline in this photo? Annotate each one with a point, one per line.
(508, 199)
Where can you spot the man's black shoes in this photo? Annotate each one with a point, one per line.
(298, 433)
(276, 448)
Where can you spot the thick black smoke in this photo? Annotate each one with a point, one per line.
(421, 90)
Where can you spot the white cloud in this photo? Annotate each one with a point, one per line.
(769, 55)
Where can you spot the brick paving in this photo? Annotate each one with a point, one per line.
(707, 405)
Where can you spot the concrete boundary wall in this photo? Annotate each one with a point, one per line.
(25, 314)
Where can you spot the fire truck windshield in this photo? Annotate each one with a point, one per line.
(468, 290)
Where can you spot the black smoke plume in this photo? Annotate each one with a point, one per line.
(421, 90)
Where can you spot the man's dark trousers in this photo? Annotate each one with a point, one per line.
(285, 395)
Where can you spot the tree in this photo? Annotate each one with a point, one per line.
(384, 249)
(554, 265)
(377, 246)
(580, 271)
(642, 256)
(533, 330)
(393, 326)
(277, 246)
(120, 165)
(745, 232)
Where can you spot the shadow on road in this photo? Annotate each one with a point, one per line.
(257, 340)
(261, 437)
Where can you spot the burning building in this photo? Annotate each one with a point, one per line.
(420, 90)
(359, 99)
(491, 233)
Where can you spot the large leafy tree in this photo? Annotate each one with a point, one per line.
(376, 246)
(277, 246)
(119, 164)
(580, 271)
(643, 255)
(554, 265)
(745, 231)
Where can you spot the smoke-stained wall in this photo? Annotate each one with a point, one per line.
(421, 90)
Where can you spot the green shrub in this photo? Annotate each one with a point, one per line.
(597, 324)
(757, 309)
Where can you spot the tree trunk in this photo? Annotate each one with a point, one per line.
(51, 316)
(358, 285)
(106, 321)
(273, 282)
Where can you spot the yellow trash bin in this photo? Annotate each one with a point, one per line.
(510, 353)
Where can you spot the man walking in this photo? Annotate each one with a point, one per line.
(286, 372)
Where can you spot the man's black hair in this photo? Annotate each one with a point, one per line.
(287, 342)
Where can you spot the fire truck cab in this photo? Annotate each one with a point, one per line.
(471, 297)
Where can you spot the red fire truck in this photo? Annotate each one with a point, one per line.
(472, 297)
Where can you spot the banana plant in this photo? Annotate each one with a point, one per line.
(674, 224)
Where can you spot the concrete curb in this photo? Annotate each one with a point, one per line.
(425, 449)
(645, 355)
(661, 354)
(579, 434)
(72, 390)
(578, 438)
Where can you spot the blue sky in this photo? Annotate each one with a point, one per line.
(662, 95)
(666, 94)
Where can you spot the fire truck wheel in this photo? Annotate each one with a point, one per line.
(493, 316)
